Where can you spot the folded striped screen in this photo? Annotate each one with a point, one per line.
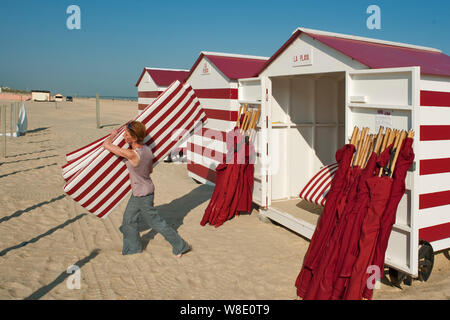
(316, 189)
(98, 180)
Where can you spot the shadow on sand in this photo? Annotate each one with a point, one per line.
(15, 172)
(36, 130)
(63, 276)
(175, 211)
(20, 212)
(36, 239)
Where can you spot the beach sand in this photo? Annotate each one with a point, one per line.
(43, 232)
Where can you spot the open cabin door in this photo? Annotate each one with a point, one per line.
(388, 98)
(255, 92)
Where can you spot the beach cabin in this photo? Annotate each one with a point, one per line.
(153, 81)
(314, 90)
(214, 78)
(40, 95)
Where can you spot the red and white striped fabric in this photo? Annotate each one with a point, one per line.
(98, 180)
(316, 189)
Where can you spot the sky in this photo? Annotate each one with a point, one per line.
(117, 39)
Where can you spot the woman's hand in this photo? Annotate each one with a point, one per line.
(108, 141)
(114, 133)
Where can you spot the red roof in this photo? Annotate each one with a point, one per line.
(233, 67)
(377, 55)
(163, 77)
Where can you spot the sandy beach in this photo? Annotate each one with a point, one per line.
(43, 232)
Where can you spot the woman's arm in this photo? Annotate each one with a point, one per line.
(125, 153)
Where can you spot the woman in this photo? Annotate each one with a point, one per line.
(139, 162)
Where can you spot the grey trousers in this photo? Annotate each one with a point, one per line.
(140, 211)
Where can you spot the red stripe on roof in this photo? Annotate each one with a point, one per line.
(232, 67)
(433, 166)
(377, 55)
(164, 78)
(237, 68)
(434, 199)
(434, 98)
(434, 233)
(434, 132)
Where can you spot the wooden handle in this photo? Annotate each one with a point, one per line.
(354, 141)
(360, 146)
(369, 150)
(354, 135)
(391, 137)
(364, 152)
(402, 137)
(385, 140)
(244, 121)
(253, 133)
(249, 120)
(378, 141)
(239, 117)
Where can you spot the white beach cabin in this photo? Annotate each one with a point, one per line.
(40, 95)
(314, 90)
(214, 79)
(153, 81)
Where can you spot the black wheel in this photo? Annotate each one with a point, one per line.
(447, 254)
(408, 280)
(396, 277)
(426, 260)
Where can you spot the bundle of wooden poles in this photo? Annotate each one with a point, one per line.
(249, 120)
(367, 143)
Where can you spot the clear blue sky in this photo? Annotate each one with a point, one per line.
(118, 38)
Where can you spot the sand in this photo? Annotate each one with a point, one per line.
(43, 232)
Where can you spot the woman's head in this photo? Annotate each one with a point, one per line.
(135, 132)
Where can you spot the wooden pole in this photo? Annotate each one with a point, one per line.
(386, 137)
(354, 135)
(97, 109)
(239, 117)
(360, 145)
(3, 148)
(369, 151)
(354, 141)
(17, 111)
(402, 137)
(364, 151)
(11, 118)
(253, 133)
(249, 120)
(244, 121)
(391, 137)
(379, 138)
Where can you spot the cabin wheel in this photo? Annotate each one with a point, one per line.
(426, 260)
(447, 254)
(396, 277)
